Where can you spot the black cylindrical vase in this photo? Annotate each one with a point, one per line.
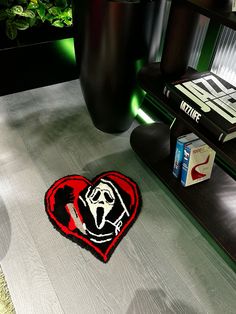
(179, 37)
(109, 39)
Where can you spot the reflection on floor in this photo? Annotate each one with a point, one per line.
(163, 265)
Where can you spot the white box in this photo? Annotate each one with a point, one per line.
(197, 163)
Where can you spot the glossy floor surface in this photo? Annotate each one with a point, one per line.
(163, 265)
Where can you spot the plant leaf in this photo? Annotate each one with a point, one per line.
(49, 17)
(68, 12)
(54, 11)
(10, 13)
(68, 22)
(41, 11)
(21, 24)
(28, 13)
(58, 23)
(48, 5)
(3, 15)
(17, 9)
(11, 30)
(32, 5)
(66, 15)
(32, 21)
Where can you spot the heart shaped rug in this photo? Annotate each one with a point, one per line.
(95, 214)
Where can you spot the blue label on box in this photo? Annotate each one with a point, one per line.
(184, 171)
(179, 152)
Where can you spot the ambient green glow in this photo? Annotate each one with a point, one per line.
(139, 64)
(136, 101)
(145, 117)
(135, 104)
(67, 46)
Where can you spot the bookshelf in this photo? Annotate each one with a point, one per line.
(213, 202)
(148, 79)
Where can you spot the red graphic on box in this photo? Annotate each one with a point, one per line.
(195, 173)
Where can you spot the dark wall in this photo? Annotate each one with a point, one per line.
(37, 61)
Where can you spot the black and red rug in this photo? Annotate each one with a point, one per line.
(95, 214)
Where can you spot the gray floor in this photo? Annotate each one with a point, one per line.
(163, 265)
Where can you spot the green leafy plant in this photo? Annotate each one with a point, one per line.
(20, 15)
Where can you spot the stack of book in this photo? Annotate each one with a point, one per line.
(193, 160)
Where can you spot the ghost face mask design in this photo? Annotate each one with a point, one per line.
(96, 215)
(100, 202)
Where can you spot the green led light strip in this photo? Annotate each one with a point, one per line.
(144, 117)
(66, 46)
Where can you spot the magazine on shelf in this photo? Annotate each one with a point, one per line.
(208, 100)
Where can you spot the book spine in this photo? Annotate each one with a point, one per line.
(179, 153)
(192, 111)
(185, 165)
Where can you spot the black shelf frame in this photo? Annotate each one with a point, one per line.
(214, 12)
(213, 202)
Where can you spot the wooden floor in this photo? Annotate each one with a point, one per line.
(163, 265)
